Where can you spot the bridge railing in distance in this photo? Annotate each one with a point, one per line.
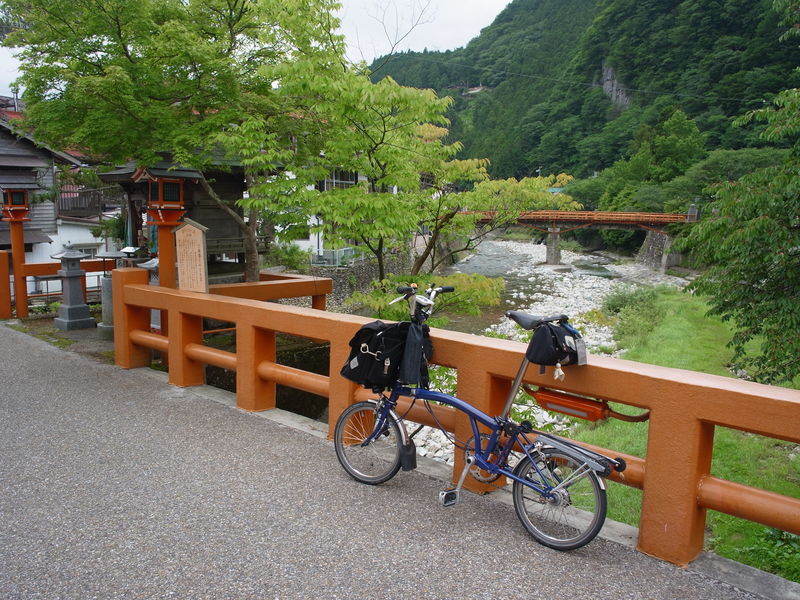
(685, 407)
(91, 267)
(602, 216)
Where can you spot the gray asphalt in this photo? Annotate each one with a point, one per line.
(115, 484)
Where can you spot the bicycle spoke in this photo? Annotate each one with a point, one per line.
(571, 512)
(375, 462)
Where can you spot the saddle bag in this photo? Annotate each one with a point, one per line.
(382, 354)
(556, 344)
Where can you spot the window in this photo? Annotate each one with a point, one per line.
(15, 197)
(166, 191)
(338, 179)
(89, 251)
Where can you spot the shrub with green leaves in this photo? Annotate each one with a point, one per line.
(627, 295)
(290, 256)
(472, 291)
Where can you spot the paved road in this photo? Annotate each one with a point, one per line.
(115, 484)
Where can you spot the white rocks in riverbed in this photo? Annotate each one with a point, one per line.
(572, 292)
(565, 290)
(433, 443)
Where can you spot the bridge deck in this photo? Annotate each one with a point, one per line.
(600, 217)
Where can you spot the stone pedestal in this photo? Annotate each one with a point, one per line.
(106, 328)
(553, 247)
(73, 312)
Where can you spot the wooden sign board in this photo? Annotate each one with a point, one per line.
(190, 248)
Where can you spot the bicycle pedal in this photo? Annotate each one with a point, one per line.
(449, 497)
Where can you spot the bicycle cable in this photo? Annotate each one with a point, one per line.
(453, 440)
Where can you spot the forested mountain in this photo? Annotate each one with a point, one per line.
(568, 85)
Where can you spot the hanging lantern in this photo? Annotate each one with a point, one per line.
(165, 205)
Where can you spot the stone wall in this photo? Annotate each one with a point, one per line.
(357, 277)
(655, 252)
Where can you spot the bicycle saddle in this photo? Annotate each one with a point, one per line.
(527, 321)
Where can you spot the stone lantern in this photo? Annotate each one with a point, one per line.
(73, 312)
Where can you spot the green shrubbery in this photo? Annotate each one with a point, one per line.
(472, 292)
(635, 310)
(290, 256)
(668, 327)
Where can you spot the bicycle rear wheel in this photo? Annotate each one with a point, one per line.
(574, 514)
(372, 464)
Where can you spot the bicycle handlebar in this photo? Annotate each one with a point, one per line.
(412, 289)
(418, 301)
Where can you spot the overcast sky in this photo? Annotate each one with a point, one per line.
(371, 26)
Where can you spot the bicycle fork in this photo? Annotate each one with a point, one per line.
(408, 450)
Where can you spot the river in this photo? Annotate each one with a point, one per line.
(573, 288)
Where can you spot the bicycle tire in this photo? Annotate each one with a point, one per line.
(574, 515)
(380, 460)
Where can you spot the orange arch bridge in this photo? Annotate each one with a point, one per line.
(555, 222)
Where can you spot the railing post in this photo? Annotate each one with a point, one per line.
(483, 391)
(5, 286)
(672, 524)
(318, 302)
(129, 318)
(18, 258)
(254, 345)
(342, 391)
(184, 329)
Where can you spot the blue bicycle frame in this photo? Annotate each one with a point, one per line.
(517, 435)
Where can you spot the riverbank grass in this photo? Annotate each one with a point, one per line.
(671, 328)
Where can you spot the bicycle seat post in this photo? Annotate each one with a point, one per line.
(512, 393)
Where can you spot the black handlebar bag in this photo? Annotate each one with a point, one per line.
(378, 350)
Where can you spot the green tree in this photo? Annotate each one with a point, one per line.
(384, 135)
(129, 80)
(752, 247)
(453, 219)
(661, 153)
(752, 244)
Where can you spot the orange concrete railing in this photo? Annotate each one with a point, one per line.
(685, 407)
(40, 270)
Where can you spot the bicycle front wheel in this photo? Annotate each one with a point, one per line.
(572, 515)
(376, 462)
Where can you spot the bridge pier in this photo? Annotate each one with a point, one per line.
(553, 248)
(655, 251)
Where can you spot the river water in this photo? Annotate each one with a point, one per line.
(573, 288)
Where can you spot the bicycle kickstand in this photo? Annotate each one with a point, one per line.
(452, 496)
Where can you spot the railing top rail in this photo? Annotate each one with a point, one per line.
(744, 405)
(595, 216)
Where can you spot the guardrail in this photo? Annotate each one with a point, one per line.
(50, 269)
(338, 257)
(685, 407)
